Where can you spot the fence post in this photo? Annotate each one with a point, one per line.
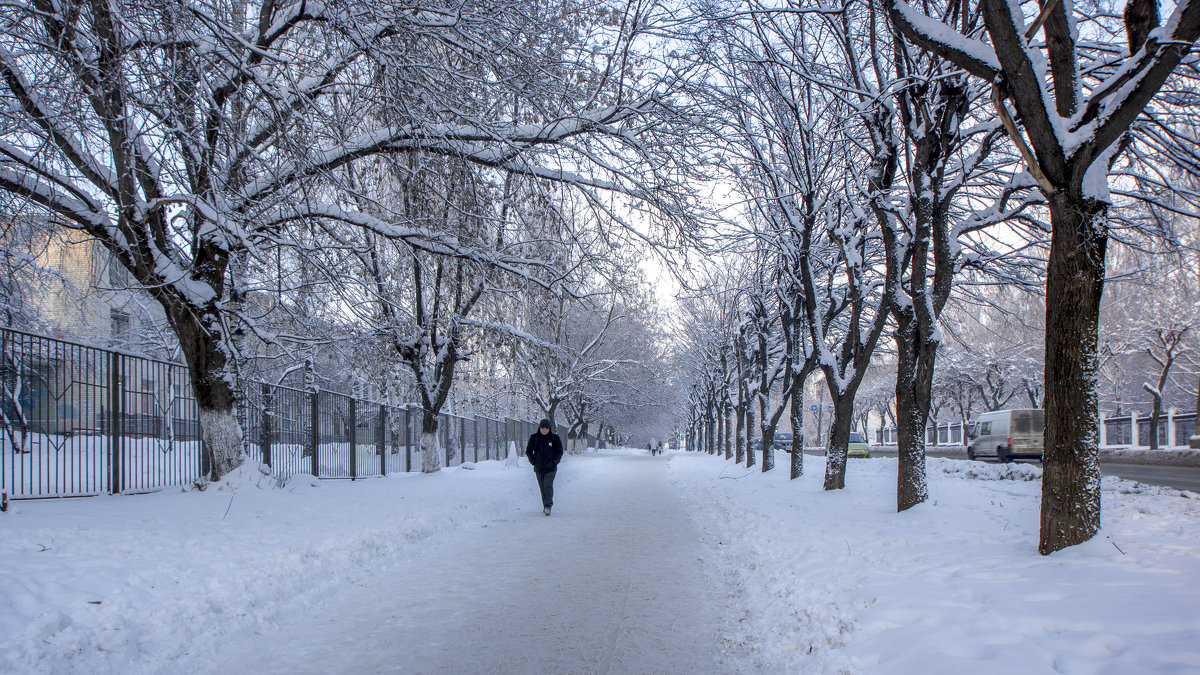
(381, 440)
(353, 441)
(1170, 428)
(316, 435)
(1134, 432)
(1103, 430)
(475, 437)
(265, 416)
(407, 439)
(114, 425)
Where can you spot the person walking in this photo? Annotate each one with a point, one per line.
(545, 451)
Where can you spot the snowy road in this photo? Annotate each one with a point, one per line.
(613, 582)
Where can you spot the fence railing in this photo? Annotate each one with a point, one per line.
(1130, 430)
(941, 434)
(80, 420)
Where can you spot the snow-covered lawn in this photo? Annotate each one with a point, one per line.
(839, 582)
(805, 581)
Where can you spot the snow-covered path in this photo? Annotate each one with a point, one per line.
(648, 565)
(613, 582)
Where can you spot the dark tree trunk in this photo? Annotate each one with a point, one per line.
(728, 424)
(430, 460)
(1155, 416)
(839, 439)
(709, 432)
(720, 428)
(797, 415)
(740, 440)
(768, 447)
(914, 380)
(767, 431)
(200, 341)
(1194, 439)
(1071, 463)
(749, 447)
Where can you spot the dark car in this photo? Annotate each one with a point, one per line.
(783, 440)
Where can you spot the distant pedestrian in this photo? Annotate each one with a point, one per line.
(545, 451)
(660, 447)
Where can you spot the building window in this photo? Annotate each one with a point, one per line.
(120, 325)
(118, 276)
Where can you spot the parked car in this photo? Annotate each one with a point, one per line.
(783, 440)
(857, 446)
(1005, 435)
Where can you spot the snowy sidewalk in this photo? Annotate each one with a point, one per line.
(611, 583)
(648, 565)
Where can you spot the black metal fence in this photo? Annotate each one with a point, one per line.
(79, 420)
(332, 435)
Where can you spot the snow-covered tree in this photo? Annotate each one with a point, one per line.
(1076, 99)
(189, 138)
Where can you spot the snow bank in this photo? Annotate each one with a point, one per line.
(833, 582)
(138, 584)
(1173, 456)
(1121, 454)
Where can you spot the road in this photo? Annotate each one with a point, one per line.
(1178, 477)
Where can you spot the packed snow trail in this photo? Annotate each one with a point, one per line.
(612, 582)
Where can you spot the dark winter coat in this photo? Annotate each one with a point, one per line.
(544, 451)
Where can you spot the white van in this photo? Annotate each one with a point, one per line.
(1005, 435)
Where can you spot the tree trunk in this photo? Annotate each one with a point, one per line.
(768, 437)
(914, 379)
(740, 440)
(768, 449)
(839, 438)
(720, 428)
(1194, 439)
(1071, 463)
(749, 426)
(728, 440)
(431, 462)
(797, 413)
(1155, 415)
(200, 341)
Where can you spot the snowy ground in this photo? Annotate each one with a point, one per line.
(676, 564)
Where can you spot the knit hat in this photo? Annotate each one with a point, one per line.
(545, 424)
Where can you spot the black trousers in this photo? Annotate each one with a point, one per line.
(546, 485)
